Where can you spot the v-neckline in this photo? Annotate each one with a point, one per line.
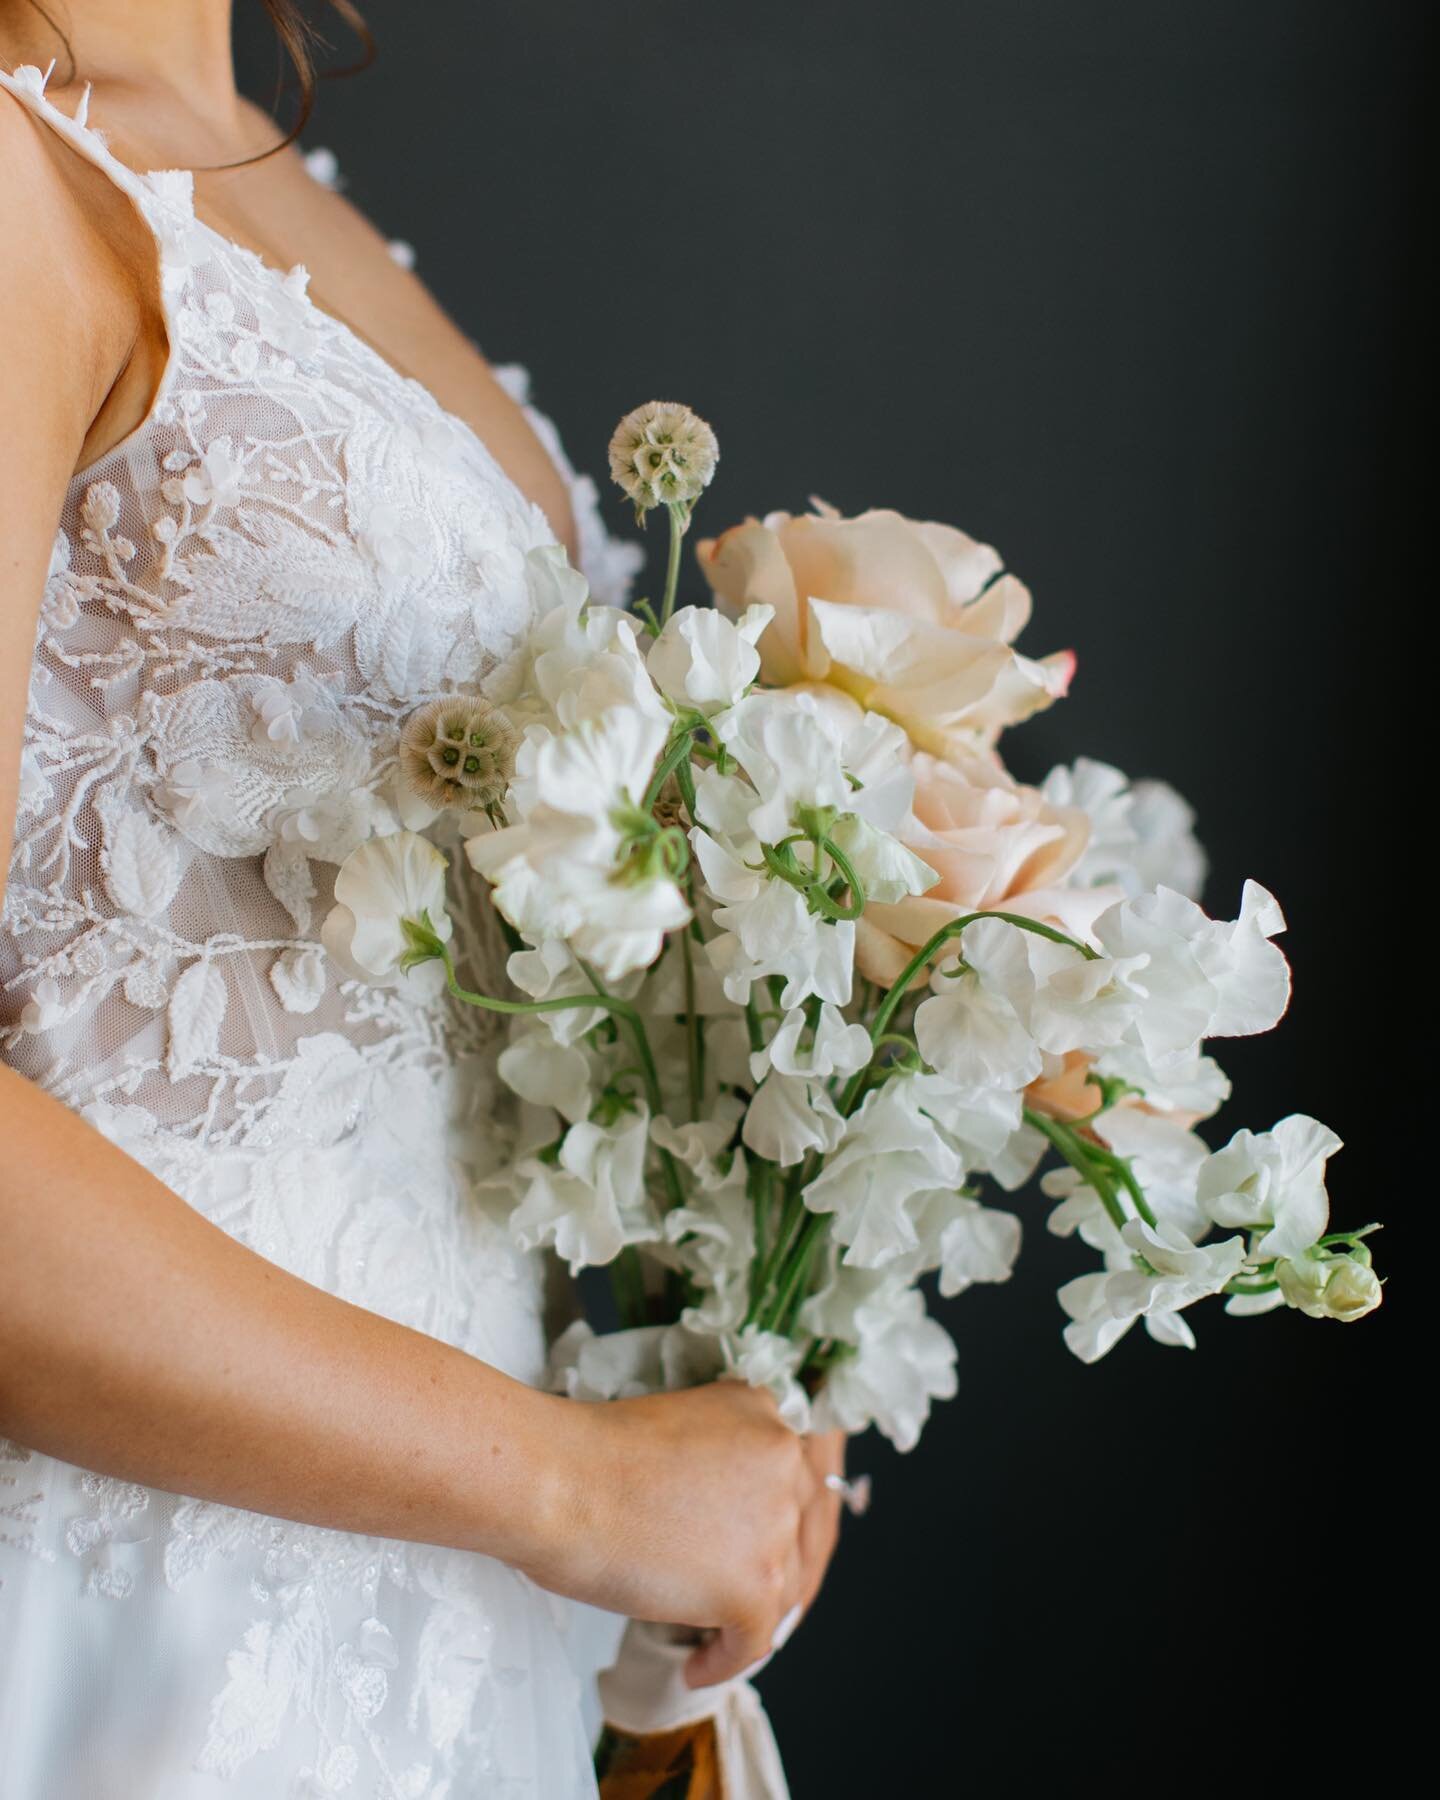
(158, 185)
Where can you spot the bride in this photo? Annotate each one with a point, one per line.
(284, 1506)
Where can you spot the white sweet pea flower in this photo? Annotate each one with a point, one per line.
(901, 1359)
(1103, 1306)
(791, 756)
(1166, 1158)
(833, 1047)
(874, 753)
(1064, 1000)
(1167, 852)
(714, 1238)
(967, 1241)
(1203, 977)
(1141, 833)
(765, 1359)
(577, 865)
(622, 1365)
(549, 971)
(701, 1145)
(380, 884)
(767, 929)
(792, 1112)
(705, 661)
(971, 1029)
(891, 1159)
(1275, 1180)
(1192, 1084)
(986, 1125)
(544, 1072)
(888, 872)
(580, 659)
(591, 1202)
(788, 1118)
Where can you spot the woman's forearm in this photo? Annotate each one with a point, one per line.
(139, 1340)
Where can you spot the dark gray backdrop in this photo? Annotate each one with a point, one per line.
(1127, 290)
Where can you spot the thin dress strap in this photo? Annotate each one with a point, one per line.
(163, 199)
(28, 84)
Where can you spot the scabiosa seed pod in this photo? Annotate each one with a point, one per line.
(458, 751)
(662, 454)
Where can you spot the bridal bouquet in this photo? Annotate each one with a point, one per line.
(802, 975)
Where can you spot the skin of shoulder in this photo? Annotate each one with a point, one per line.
(77, 359)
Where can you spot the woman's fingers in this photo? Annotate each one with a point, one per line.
(727, 1653)
(820, 1521)
(819, 1533)
(734, 1648)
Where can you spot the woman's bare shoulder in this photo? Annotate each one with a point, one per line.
(74, 279)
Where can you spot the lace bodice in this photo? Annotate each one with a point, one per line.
(246, 597)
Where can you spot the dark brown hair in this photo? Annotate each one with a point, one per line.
(299, 37)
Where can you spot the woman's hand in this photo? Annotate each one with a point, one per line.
(694, 1508)
(820, 1527)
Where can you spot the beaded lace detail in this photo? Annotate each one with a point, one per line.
(246, 597)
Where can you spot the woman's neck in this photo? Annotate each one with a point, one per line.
(171, 49)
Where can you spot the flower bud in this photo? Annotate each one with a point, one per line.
(1330, 1287)
(662, 454)
(458, 751)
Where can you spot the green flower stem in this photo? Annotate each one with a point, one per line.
(881, 1022)
(694, 1041)
(674, 1187)
(752, 1025)
(647, 612)
(781, 861)
(1075, 1151)
(620, 1009)
(852, 881)
(1120, 1165)
(686, 777)
(792, 1286)
(677, 751)
(772, 1264)
(679, 525)
(1250, 1287)
(627, 1283)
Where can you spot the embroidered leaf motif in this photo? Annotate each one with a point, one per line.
(197, 1008)
(276, 1670)
(324, 1090)
(142, 869)
(287, 875)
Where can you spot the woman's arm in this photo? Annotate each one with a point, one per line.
(139, 1340)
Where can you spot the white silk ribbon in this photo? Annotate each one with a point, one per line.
(645, 1691)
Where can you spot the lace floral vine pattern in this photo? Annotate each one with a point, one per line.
(245, 599)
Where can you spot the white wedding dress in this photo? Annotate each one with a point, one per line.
(246, 598)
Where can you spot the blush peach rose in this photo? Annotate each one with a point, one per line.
(996, 845)
(913, 619)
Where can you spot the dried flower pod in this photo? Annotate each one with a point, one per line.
(458, 751)
(662, 454)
